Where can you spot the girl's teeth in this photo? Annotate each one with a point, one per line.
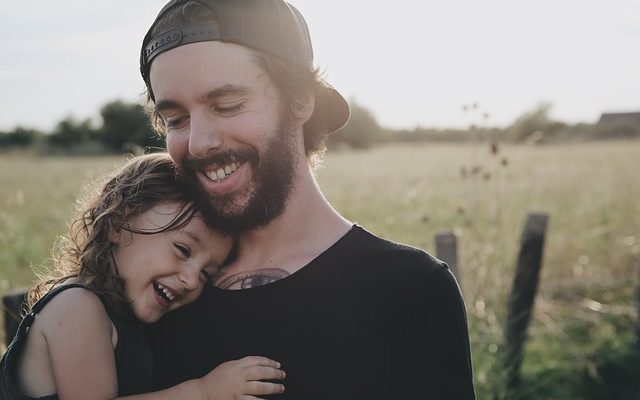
(167, 293)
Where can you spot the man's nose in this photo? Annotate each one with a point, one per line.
(205, 135)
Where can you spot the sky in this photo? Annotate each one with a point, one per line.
(412, 63)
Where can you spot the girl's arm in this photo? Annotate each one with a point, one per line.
(78, 333)
(237, 379)
(81, 338)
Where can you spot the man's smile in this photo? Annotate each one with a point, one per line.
(221, 172)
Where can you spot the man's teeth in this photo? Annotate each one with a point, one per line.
(166, 292)
(222, 172)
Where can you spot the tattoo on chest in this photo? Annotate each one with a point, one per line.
(246, 280)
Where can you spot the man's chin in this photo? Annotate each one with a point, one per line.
(255, 198)
(234, 224)
(232, 215)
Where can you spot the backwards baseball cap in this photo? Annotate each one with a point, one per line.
(271, 26)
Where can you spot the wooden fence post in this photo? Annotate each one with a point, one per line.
(638, 308)
(12, 304)
(525, 284)
(447, 251)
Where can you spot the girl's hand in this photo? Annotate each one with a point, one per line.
(242, 379)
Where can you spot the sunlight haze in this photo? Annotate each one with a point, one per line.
(411, 63)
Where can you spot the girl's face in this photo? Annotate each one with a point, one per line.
(166, 270)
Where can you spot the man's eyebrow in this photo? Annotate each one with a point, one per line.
(164, 105)
(226, 90)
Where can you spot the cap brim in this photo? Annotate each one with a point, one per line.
(337, 110)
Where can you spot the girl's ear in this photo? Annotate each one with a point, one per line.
(115, 235)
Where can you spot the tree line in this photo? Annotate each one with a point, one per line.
(125, 127)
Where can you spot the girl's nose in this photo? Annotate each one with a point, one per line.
(190, 278)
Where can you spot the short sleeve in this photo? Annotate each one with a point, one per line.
(431, 355)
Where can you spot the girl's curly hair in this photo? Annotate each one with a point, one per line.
(85, 253)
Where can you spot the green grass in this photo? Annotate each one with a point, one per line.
(410, 192)
(36, 202)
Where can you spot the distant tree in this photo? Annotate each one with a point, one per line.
(126, 124)
(534, 123)
(70, 132)
(362, 130)
(19, 137)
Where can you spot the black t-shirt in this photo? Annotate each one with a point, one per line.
(367, 319)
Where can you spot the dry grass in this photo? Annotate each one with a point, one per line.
(36, 202)
(592, 252)
(410, 192)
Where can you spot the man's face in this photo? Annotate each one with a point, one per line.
(226, 125)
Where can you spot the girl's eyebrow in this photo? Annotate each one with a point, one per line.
(192, 235)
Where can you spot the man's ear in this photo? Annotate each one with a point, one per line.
(304, 103)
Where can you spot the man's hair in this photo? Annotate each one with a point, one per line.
(290, 79)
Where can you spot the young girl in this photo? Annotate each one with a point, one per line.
(139, 249)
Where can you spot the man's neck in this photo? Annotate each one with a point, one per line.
(307, 227)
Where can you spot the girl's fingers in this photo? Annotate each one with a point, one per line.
(258, 373)
(259, 360)
(257, 387)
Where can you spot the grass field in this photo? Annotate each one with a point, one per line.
(585, 310)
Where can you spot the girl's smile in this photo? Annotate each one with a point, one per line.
(166, 269)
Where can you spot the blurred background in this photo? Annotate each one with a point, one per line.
(467, 117)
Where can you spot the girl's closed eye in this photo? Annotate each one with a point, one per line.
(185, 251)
(206, 276)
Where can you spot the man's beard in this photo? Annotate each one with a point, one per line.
(272, 173)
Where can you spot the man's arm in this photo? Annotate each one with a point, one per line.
(432, 357)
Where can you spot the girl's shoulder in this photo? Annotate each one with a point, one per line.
(73, 337)
(72, 299)
(76, 310)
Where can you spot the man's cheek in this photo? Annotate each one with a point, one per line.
(177, 147)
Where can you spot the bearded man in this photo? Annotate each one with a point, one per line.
(349, 315)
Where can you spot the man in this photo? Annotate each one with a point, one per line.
(348, 315)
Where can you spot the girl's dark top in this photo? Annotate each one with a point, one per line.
(133, 355)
